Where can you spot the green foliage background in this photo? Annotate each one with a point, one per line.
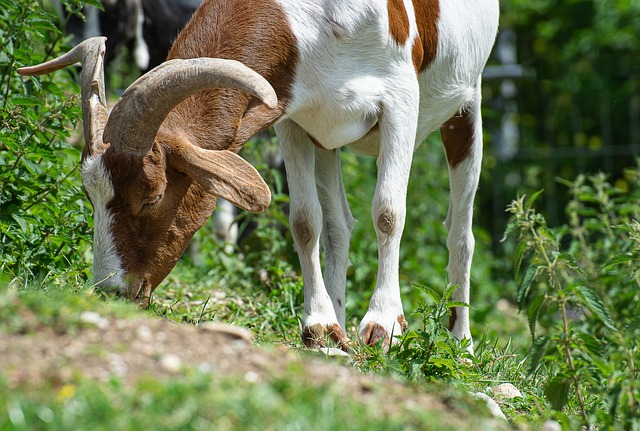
(44, 221)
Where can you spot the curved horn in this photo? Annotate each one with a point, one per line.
(136, 118)
(94, 106)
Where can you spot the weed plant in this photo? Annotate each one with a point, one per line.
(579, 285)
(44, 220)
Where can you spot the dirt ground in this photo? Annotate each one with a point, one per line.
(101, 348)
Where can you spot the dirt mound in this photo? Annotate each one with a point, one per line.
(102, 348)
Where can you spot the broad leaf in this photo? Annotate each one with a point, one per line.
(534, 311)
(595, 304)
(538, 350)
(525, 285)
(557, 391)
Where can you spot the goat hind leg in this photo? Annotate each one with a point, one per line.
(462, 138)
(305, 217)
(336, 229)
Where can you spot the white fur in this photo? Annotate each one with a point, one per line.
(141, 50)
(224, 223)
(351, 75)
(463, 182)
(108, 269)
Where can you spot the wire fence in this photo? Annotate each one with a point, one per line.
(537, 132)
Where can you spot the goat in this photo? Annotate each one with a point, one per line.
(374, 75)
(145, 27)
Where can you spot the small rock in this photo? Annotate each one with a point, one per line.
(551, 426)
(230, 330)
(252, 377)
(218, 295)
(503, 305)
(332, 351)
(493, 406)
(117, 364)
(171, 363)
(144, 333)
(93, 318)
(506, 391)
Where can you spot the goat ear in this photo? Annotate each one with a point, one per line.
(224, 174)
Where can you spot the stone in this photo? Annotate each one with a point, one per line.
(171, 363)
(230, 330)
(506, 391)
(93, 318)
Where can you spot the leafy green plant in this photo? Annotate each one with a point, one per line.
(432, 352)
(579, 285)
(44, 221)
(428, 354)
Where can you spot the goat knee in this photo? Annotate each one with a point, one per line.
(305, 229)
(388, 221)
(302, 232)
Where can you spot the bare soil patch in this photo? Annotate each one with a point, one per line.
(131, 348)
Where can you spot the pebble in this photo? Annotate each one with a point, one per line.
(117, 364)
(171, 363)
(144, 333)
(251, 377)
(493, 406)
(332, 351)
(551, 426)
(506, 391)
(230, 330)
(93, 318)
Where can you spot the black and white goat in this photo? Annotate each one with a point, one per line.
(375, 75)
(146, 27)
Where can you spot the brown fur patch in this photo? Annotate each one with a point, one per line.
(457, 137)
(302, 232)
(417, 53)
(386, 221)
(403, 323)
(236, 29)
(427, 13)
(398, 21)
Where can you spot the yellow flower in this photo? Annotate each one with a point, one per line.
(67, 391)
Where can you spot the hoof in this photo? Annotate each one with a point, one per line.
(315, 336)
(373, 332)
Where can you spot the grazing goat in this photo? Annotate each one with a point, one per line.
(375, 75)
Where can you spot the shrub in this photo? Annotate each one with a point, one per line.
(44, 222)
(579, 284)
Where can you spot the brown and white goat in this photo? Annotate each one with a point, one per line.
(375, 75)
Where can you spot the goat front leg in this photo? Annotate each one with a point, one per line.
(462, 139)
(398, 122)
(305, 218)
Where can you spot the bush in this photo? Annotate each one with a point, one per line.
(579, 284)
(44, 222)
